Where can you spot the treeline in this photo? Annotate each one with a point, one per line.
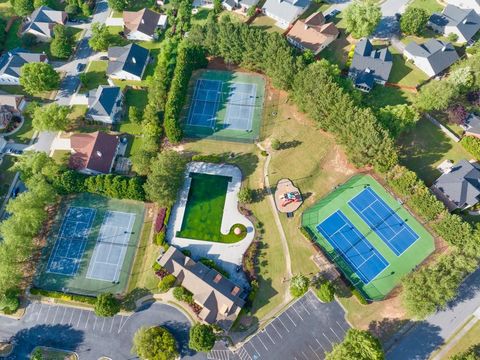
(190, 57)
(433, 286)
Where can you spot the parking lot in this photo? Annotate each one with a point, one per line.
(304, 331)
(80, 319)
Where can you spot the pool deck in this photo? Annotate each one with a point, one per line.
(228, 256)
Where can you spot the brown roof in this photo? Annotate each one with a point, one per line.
(312, 32)
(218, 296)
(145, 21)
(94, 151)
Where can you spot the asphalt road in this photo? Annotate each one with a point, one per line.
(91, 336)
(428, 335)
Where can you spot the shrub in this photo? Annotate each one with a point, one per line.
(212, 158)
(472, 145)
(160, 238)
(166, 283)
(361, 299)
(160, 220)
(245, 195)
(325, 291)
(106, 305)
(213, 265)
(202, 338)
(29, 40)
(182, 294)
(62, 296)
(9, 302)
(276, 144)
(299, 285)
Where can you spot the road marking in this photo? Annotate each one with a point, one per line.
(48, 313)
(293, 322)
(297, 312)
(338, 337)
(111, 326)
(311, 348)
(39, 312)
(88, 317)
(308, 312)
(103, 324)
(122, 325)
(274, 328)
(254, 348)
(95, 322)
(63, 316)
(55, 316)
(78, 322)
(340, 326)
(306, 357)
(266, 332)
(319, 343)
(258, 336)
(71, 317)
(327, 339)
(283, 324)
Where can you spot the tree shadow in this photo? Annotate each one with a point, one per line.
(289, 144)
(57, 336)
(386, 327)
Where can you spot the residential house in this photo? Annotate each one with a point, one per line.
(143, 25)
(432, 57)
(243, 5)
(93, 153)
(219, 298)
(10, 106)
(12, 61)
(313, 33)
(471, 125)
(105, 104)
(464, 23)
(459, 186)
(42, 21)
(127, 62)
(229, 4)
(466, 4)
(370, 66)
(285, 12)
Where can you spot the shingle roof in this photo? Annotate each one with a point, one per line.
(287, 10)
(467, 21)
(12, 61)
(44, 19)
(101, 101)
(144, 21)
(131, 58)
(462, 184)
(439, 54)
(473, 124)
(219, 297)
(93, 151)
(366, 59)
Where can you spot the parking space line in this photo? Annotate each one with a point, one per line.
(64, 312)
(341, 327)
(283, 324)
(266, 332)
(327, 339)
(39, 312)
(103, 324)
(308, 312)
(306, 357)
(293, 322)
(111, 326)
(95, 322)
(259, 338)
(88, 317)
(297, 312)
(48, 313)
(274, 328)
(124, 322)
(78, 322)
(56, 312)
(253, 346)
(338, 337)
(314, 352)
(71, 316)
(319, 343)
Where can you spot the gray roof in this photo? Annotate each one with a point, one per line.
(249, 3)
(461, 185)
(467, 21)
(287, 10)
(11, 62)
(102, 100)
(473, 123)
(44, 19)
(377, 63)
(131, 58)
(438, 53)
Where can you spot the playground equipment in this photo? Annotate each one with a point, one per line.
(290, 197)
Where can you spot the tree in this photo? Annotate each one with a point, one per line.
(452, 37)
(71, 9)
(134, 115)
(52, 117)
(217, 6)
(202, 338)
(40, 3)
(29, 40)
(398, 118)
(436, 95)
(106, 305)
(117, 5)
(472, 353)
(37, 354)
(9, 302)
(166, 283)
(245, 195)
(457, 114)
(414, 20)
(299, 285)
(154, 343)
(325, 291)
(357, 345)
(362, 17)
(36, 163)
(61, 45)
(37, 77)
(165, 178)
(101, 38)
(23, 7)
(276, 144)
(251, 11)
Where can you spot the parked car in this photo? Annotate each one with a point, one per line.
(80, 67)
(332, 15)
(104, 57)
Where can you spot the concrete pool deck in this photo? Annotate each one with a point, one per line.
(228, 256)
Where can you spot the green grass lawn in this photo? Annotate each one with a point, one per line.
(381, 96)
(6, 174)
(25, 134)
(200, 18)
(61, 156)
(425, 147)
(13, 40)
(95, 75)
(404, 72)
(472, 337)
(204, 210)
(138, 98)
(265, 23)
(430, 6)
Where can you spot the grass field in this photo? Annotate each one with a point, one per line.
(404, 72)
(25, 134)
(79, 283)
(430, 6)
(398, 265)
(267, 24)
(6, 174)
(95, 75)
(471, 338)
(425, 147)
(204, 210)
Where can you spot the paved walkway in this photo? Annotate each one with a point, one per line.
(228, 256)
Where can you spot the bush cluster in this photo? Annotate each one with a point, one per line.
(472, 145)
(62, 296)
(166, 283)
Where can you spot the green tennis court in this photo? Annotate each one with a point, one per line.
(224, 105)
(108, 246)
(370, 236)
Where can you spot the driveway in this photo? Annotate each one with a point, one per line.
(389, 26)
(428, 335)
(91, 336)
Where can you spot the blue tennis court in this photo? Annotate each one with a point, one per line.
(383, 220)
(71, 241)
(206, 99)
(354, 248)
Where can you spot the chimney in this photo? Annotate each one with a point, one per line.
(99, 153)
(134, 60)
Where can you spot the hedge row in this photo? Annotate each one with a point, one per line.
(62, 296)
(190, 57)
(472, 145)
